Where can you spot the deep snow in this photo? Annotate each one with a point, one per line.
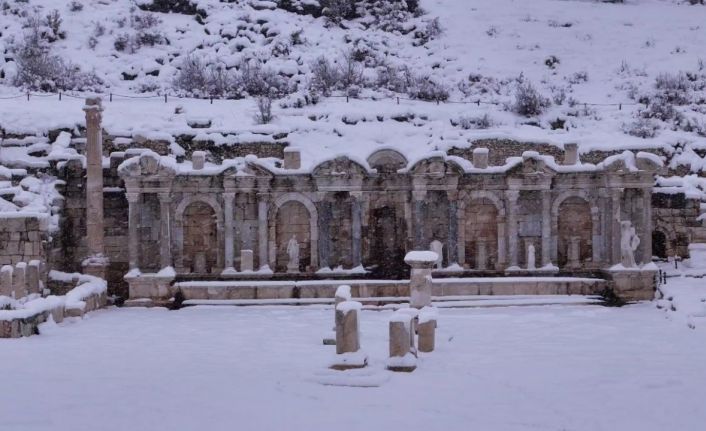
(549, 368)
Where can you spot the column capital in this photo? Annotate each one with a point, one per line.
(165, 197)
(512, 195)
(133, 197)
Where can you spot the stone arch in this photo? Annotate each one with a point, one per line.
(595, 223)
(659, 244)
(199, 228)
(293, 206)
(387, 160)
(481, 234)
(574, 224)
(467, 240)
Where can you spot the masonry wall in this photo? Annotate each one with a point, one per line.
(22, 239)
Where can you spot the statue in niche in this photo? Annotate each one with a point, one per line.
(437, 247)
(531, 257)
(293, 252)
(629, 241)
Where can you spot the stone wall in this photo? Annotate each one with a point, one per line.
(22, 238)
(674, 219)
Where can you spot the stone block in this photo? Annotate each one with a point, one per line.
(33, 269)
(292, 158)
(19, 280)
(6, 285)
(198, 159)
(246, 260)
(480, 158)
(571, 154)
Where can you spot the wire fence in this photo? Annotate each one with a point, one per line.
(114, 96)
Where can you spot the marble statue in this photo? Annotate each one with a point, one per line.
(437, 247)
(293, 252)
(629, 241)
(531, 257)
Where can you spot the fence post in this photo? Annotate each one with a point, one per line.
(165, 98)
(60, 95)
(211, 100)
(346, 98)
(111, 97)
(620, 107)
(478, 102)
(28, 96)
(398, 100)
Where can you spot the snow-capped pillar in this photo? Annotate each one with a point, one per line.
(420, 283)
(228, 200)
(511, 197)
(95, 264)
(356, 229)
(546, 227)
(6, 280)
(262, 230)
(133, 200)
(165, 242)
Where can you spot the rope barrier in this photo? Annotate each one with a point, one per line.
(348, 98)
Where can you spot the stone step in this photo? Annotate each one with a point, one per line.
(375, 303)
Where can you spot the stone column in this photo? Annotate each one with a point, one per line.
(546, 227)
(165, 239)
(420, 283)
(324, 223)
(616, 195)
(348, 354)
(133, 200)
(401, 356)
(481, 254)
(33, 277)
(646, 239)
(426, 329)
(228, 199)
(94, 188)
(262, 230)
(356, 230)
(511, 197)
(19, 280)
(452, 246)
(418, 224)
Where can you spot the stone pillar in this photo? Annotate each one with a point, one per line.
(546, 227)
(356, 230)
(418, 224)
(198, 160)
(133, 200)
(228, 199)
(292, 158)
(574, 252)
(511, 197)
(343, 294)
(348, 354)
(33, 278)
(426, 329)
(165, 239)
(401, 356)
(452, 247)
(324, 222)
(646, 239)
(246, 261)
(262, 231)
(6, 280)
(420, 283)
(95, 264)
(615, 226)
(19, 281)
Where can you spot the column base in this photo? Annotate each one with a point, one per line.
(152, 286)
(95, 266)
(633, 284)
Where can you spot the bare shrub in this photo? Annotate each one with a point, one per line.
(147, 29)
(75, 6)
(264, 110)
(427, 88)
(338, 10)
(192, 76)
(528, 101)
(53, 22)
(479, 122)
(350, 72)
(257, 80)
(324, 76)
(675, 89)
(642, 128)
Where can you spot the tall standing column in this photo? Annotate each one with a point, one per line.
(546, 227)
(356, 230)
(96, 262)
(165, 239)
(418, 224)
(646, 239)
(262, 230)
(133, 200)
(452, 243)
(228, 199)
(512, 235)
(616, 215)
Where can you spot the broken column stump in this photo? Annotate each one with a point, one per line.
(402, 356)
(343, 293)
(348, 352)
(426, 329)
(420, 282)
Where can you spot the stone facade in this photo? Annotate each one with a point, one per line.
(344, 214)
(23, 238)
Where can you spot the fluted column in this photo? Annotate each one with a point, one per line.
(133, 200)
(165, 240)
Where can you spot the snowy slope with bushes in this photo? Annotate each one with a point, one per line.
(419, 75)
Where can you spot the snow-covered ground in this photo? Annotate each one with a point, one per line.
(224, 368)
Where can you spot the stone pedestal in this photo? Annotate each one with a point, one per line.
(33, 284)
(198, 160)
(200, 263)
(343, 294)
(348, 353)
(574, 252)
(426, 329)
(292, 158)
(402, 357)
(634, 284)
(152, 286)
(420, 284)
(246, 261)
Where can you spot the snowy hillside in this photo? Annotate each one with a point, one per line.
(420, 77)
